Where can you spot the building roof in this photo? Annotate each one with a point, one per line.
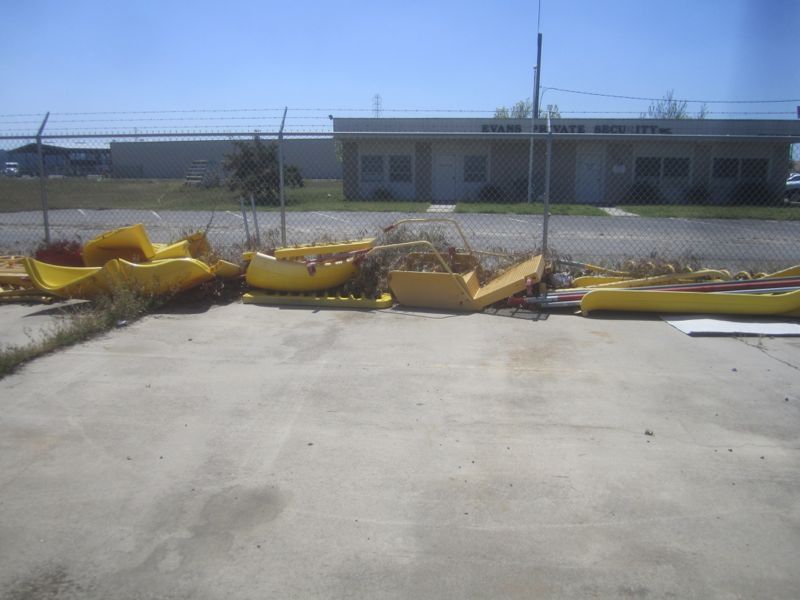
(783, 130)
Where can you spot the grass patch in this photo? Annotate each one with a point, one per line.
(537, 208)
(774, 213)
(18, 194)
(79, 323)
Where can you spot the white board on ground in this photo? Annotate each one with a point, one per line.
(692, 325)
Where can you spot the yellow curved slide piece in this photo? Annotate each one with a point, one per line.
(66, 282)
(161, 277)
(129, 243)
(321, 249)
(267, 272)
(176, 250)
(690, 302)
(226, 270)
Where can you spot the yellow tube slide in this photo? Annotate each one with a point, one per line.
(690, 302)
(267, 272)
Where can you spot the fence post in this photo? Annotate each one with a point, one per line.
(546, 209)
(43, 180)
(255, 220)
(244, 217)
(280, 178)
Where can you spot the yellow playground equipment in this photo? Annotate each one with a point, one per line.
(454, 286)
(160, 277)
(269, 273)
(458, 290)
(133, 244)
(691, 302)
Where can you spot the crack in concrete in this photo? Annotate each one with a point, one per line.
(759, 346)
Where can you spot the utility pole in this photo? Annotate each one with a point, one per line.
(537, 78)
(377, 105)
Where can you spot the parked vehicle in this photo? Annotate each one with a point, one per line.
(793, 187)
(11, 169)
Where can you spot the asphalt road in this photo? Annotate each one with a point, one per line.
(714, 242)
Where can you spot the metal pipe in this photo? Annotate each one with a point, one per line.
(280, 178)
(43, 180)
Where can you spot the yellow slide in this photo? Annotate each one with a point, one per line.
(462, 291)
(133, 244)
(268, 273)
(161, 277)
(690, 302)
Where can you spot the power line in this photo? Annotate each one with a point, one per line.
(675, 99)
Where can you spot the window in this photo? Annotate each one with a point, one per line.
(676, 167)
(475, 169)
(754, 169)
(400, 168)
(372, 168)
(648, 166)
(726, 168)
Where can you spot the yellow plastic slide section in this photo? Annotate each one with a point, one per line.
(176, 250)
(445, 291)
(129, 243)
(226, 270)
(66, 282)
(690, 302)
(316, 299)
(510, 282)
(321, 249)
(267, 272)
(133, 244)
(454, 291)
(162, 277)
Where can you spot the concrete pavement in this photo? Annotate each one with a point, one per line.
(258, 452)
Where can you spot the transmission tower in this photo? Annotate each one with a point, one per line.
(377, 105)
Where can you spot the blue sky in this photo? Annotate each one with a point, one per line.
(88, 57)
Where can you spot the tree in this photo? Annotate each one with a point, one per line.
(523, 110)
(520, 110)
(669, 107)
(252, 169)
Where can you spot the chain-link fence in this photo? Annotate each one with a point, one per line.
(707, 192)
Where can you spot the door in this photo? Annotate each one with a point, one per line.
(589, 176)
(444, 179)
